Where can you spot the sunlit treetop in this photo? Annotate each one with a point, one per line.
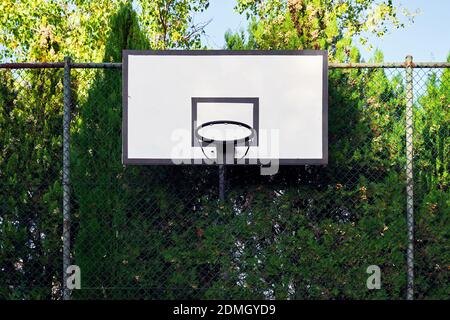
(43, 30)
(317, 24)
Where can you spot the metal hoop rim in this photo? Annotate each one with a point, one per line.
(236, 141)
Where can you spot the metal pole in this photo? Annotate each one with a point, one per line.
(66, 176)
(222, 174)
(409, 178)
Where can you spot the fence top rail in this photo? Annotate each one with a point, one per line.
(31, 65)
(386, 65)
(60, 65)
(118, 65)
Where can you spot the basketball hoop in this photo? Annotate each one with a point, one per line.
(226, 135)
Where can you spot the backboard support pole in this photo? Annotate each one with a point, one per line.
(222, 177)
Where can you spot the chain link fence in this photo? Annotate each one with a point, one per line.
(161, 232)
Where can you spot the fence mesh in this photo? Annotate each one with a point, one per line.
(30, 183)
(160, 232)
(431, 182)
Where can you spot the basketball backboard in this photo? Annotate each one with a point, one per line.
(272, 105)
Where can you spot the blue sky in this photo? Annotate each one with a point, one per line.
(427, 39)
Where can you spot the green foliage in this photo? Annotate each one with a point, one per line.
(96, 141)
(432, 193)
(30, 189)
(42, 30)
(169, 24)
(316, 24)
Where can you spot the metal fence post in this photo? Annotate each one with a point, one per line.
(66, 176)
(409, 178)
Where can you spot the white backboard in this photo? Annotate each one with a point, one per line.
(281, 94)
